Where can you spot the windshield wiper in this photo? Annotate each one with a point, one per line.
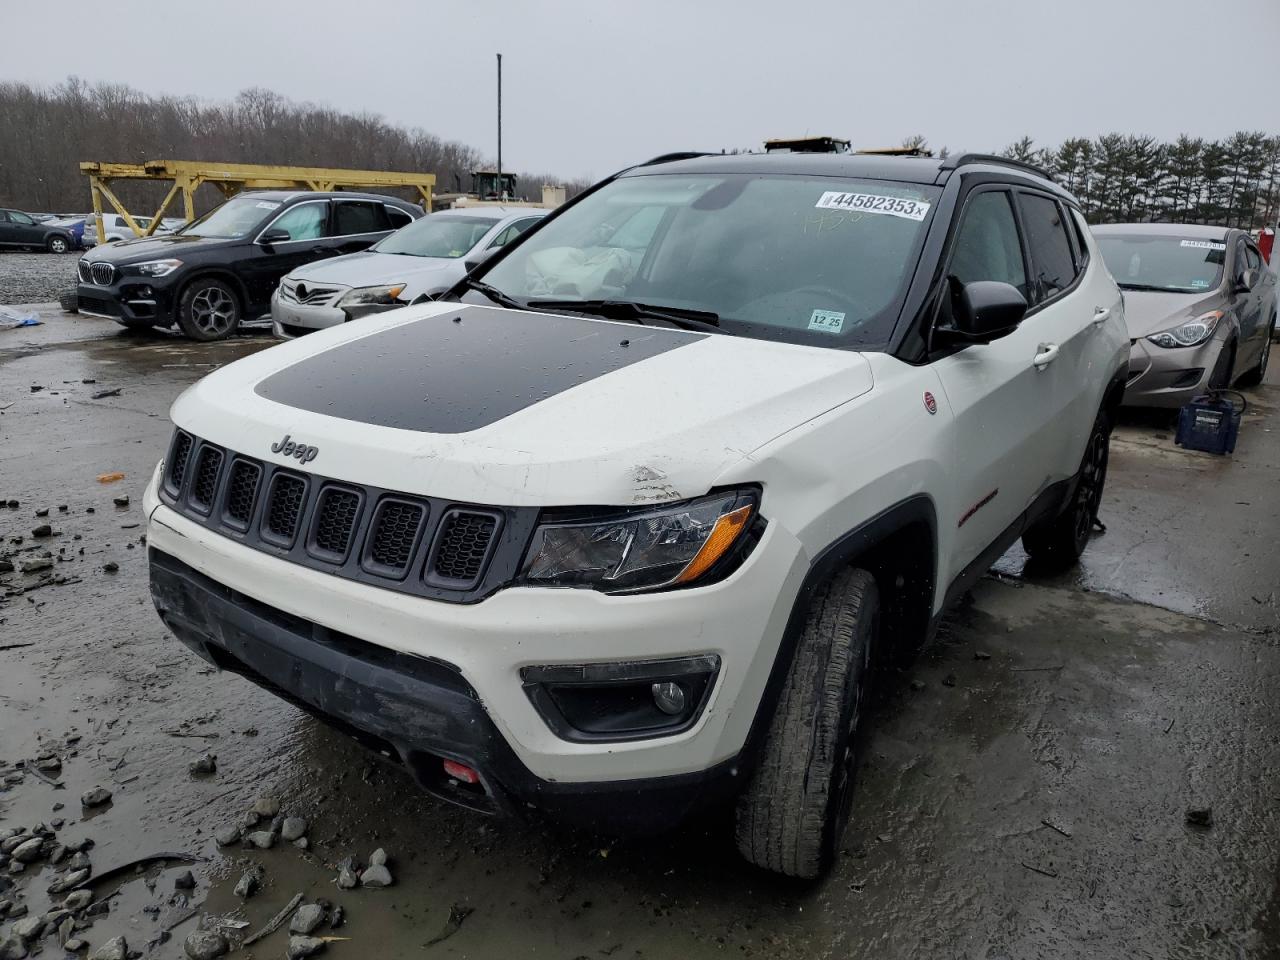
(637, 312)
(1151, 288)
(494, 294)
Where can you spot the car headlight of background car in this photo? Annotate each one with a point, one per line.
(643, 549)
(365, 296)
(1189, 334)
(157, 268)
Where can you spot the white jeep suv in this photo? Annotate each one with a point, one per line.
(622, 525)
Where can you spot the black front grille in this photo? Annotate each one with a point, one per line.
(336, 515)
(462, 546)
(178, 461)
(102, 273)
(403, 542)
(284, 509)
(82, 267)
(395, 536)
(242, 491)
(204, 483)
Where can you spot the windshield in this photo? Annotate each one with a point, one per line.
(437, 235)
(1175, 264)
(804, 259)
(230, 220)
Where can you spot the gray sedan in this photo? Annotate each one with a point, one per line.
(1200, 304)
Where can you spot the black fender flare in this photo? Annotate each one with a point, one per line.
(916, 509)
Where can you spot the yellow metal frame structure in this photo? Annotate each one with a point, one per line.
(230, 179)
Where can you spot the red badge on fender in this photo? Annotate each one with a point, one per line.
(930, 404)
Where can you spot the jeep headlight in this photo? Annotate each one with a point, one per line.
(1189, 334)
(364, 296)
(157, 268)
(643, 549)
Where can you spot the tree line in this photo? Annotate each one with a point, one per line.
(1126, 178)
(46, 131)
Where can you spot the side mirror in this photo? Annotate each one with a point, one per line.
(988, 309)
(479, 257)
(1248, 280)
(274, 236)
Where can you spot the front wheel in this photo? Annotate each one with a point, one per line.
(58, 245)
(1061, 540)
(793, 813)
(1253, 377)
(208, 310)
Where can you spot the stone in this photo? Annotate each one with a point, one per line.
(292, 828)
(75, 944)
(121, 501)
(378, 858)
(44, 530)
(249, 820)
(184, 881)
(337, 917)
(348, 874)
(266, 806)
(37, 564)
(28, 928)
(303, 947)
(69, 880)
(302, 843)
(29, 850)
(110, 567)
(307, 918)
(77, 900)
(1196, 817)
(114, 949)
(249, 883)
(96, 797)
(12, 843)
(376, 876)
(205, 945)
(78, 861)
(226, 836)
(262, 839)
(203, 766)
(11, 948)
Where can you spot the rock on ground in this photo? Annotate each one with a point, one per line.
(28, 928)
(29, 850)
(226, 836)
(304, 947)
(96, 797)
(248, 884)
(378, 858)
(114, 949)
(293, 828)
(11, 948)
(376, 876)
(308, 917)
(205, 945)
(266, 806)
(262, 839)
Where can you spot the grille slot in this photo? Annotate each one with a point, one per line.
(83, 269)
(178, 460)
(335, 519)
(102, 273)
(393, 537)
(284, 508)
(204, 482)
(242, 491)
(462, 547)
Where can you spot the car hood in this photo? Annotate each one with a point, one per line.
(371, 268)
(516, 408)
(150, 248)
(1147, 311)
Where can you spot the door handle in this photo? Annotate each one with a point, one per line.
(1048, 351)
(1100, 314)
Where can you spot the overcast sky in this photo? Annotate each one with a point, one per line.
(594, 85)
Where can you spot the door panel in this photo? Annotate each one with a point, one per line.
(262, 266)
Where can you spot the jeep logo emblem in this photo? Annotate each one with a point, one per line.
(300, 451)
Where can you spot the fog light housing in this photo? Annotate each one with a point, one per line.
(634, 700)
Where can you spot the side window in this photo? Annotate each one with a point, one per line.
(303, 222)
(1080, 228)
(1054, 267)
(986, 245)
(1253, 256)
(22, 218)
(352, 217)
(513, 230)
(4, 216)
(397, 217)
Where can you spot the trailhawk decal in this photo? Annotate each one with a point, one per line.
(873, 203)
(464, 369)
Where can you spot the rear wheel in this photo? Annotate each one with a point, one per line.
(1061, 540)
(792, 815)
(208, 310)
(1253, 377)
(58, 245)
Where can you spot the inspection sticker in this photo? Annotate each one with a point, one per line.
(266, 204)
(828, 321)
(873, 203)
(1204, 244)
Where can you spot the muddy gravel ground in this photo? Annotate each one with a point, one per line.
(1080, 766)
(36, 277)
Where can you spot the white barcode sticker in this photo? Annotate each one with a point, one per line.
(266, 204)
(873, 203)
(828, 321)
(1204, 244)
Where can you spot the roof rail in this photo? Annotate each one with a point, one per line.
(672, 157)
(952, 162)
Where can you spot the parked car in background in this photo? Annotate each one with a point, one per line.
(222, 268)
(73, 224)
(18, 229)
(1200, 305)
(621, 524)
(114, 229)
(416, 263)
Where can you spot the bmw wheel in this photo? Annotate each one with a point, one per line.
(208, 310)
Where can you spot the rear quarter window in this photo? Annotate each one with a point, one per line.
(1053, 266)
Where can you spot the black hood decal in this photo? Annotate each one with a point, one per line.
(465, 369)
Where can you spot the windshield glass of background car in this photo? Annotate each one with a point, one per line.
(1176, 264)
(235, 218)
(437, 235)
(805, 259)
